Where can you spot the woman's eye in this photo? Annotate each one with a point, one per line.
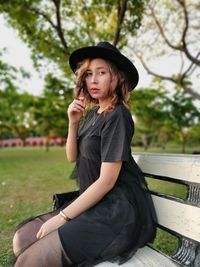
(88, 74)
(101, 72)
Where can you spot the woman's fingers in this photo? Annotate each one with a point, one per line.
(77, 105)
(76, 110)
(39, 233)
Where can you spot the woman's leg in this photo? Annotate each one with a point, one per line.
(46, 252)
(26, 233)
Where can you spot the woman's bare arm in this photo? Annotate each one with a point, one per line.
(96, 191)
(92, 195)
(75, 112)
(71, 144)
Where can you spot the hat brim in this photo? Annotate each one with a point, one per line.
(122, 62)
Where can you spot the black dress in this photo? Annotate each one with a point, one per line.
(124, 219)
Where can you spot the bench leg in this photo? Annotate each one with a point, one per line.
(194, 194)
(187, 253)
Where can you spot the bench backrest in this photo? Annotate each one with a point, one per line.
(176, 215)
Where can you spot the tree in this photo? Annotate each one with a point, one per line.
(16, 113)
(52, 29)
(194, 136)
(9, 74)
(50, 110)
(147, 107)
(162, 117)
(183, 115)
(170, 29)
(15, 107)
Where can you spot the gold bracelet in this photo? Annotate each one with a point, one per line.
(64, 216)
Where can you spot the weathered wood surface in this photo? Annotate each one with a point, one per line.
(179, 217)
(181, 167)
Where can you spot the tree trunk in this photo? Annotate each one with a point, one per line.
(144, 139)
(47, 144)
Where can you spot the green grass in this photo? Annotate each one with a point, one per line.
(28, 179)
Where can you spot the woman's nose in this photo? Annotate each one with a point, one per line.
(94, 78)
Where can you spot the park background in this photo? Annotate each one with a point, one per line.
(162, 38)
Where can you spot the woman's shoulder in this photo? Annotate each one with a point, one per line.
(120, 118)
(120, 111)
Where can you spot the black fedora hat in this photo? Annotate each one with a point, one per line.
(106, 51)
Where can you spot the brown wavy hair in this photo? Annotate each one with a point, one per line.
(119, 94)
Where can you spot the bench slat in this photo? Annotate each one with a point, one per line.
(179, 217)
(144, 257)
(181, 167)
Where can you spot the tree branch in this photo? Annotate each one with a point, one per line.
(59, 26)
(183, 45)
(151, 72)
(186, 72)
(194, 66)
(40, 13)
(179, 81)
(5, 125)
(55, 27)
(120, 18)
(161, 30)
(183, 39)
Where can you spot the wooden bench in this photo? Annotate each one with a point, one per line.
(180, 217)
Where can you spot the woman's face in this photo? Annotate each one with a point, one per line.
(99, 80)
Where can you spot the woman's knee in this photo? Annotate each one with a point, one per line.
(16, 243)
(25, 236)
(21, 240)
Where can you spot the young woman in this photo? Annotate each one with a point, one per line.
(113, 215)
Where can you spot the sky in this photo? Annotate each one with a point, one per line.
(18, 55)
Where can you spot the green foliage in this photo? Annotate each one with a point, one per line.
(161, 117)
(194, 134)
(183, 115)
(147, 106)
(22, 114)
(182, 110)
(52, 29)
(15, 107)
(16, 113)
(9, 74)
(50, 110)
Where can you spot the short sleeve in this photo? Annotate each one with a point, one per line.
(116, 137)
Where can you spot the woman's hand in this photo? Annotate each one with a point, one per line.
(50, 225)
(76, 110)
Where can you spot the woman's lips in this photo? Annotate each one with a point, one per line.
(94, 90)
